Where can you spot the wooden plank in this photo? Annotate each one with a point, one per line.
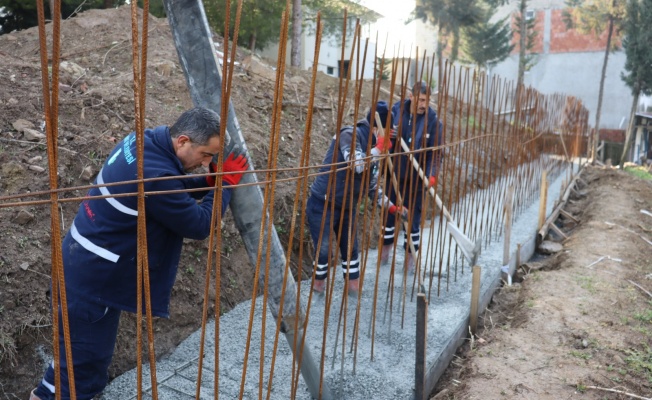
(569, 216)
(475, 298)
(558, 231)
(543, 199)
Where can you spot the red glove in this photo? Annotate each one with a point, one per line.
(233, 168)
(383, 143)
(432, 182)
(402, 211)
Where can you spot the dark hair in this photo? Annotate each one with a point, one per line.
(199, 124)
(421, 88)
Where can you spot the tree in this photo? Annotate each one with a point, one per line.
(527, 35)
(487, 43)
(21, 14)
(637, 39)
(449, 16)
(297, 22)
(260, 22)
(594, 17)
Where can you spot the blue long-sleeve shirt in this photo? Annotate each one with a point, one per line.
(100, 249)
(403, 123)
(345, 152)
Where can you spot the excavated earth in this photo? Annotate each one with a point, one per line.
(594, 321)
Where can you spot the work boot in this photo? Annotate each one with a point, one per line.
(354, 287)
(319, 286)
(32, 396)
(384, 253)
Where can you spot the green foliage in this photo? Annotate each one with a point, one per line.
(260, 22)
(382, 70)
(487, 43)
(592, 17)
(450, 16)
(640, 172)
(332, 15)
(636, 42)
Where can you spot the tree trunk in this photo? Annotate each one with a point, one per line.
(596, 132)
(630, 126)
(297, 19)
(522, 47)
(252, 42)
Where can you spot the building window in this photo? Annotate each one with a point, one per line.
(330, 70)
(529, 15)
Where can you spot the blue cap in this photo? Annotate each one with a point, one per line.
(382, 108)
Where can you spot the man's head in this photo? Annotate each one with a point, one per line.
(382, 108)
(420, 97)
(195, 137)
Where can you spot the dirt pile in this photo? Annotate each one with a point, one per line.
(96, 110)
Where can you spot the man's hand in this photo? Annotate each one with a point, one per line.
(233, 168)
(432, 182)
(402, 211)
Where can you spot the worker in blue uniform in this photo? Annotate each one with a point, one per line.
(340, 204)
(416, 124)
(100, 248)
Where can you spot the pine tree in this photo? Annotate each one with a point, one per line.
(486, 43)
(450, 17)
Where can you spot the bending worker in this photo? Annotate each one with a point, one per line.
(416, 124)
(100, 249)
(345, 205)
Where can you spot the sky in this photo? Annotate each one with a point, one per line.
(392, 26)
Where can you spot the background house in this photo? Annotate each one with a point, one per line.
(569, 62)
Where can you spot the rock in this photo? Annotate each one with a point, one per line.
(21, 124)
(531, 266)
(36, 168)
(23, 217)
(165, 68)
(12, 101)
(34, 160)
(71, 68)
(550, 247)
(24, 266)
(33, 135)
(256, 66)
(87, 173)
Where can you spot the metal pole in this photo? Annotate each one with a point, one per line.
(192, 39)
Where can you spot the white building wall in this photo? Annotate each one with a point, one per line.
(576, 74)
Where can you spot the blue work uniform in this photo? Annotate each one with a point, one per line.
(100, 253)
(338, 206)
(418, 132)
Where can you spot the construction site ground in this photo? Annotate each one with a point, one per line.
(569, 323)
